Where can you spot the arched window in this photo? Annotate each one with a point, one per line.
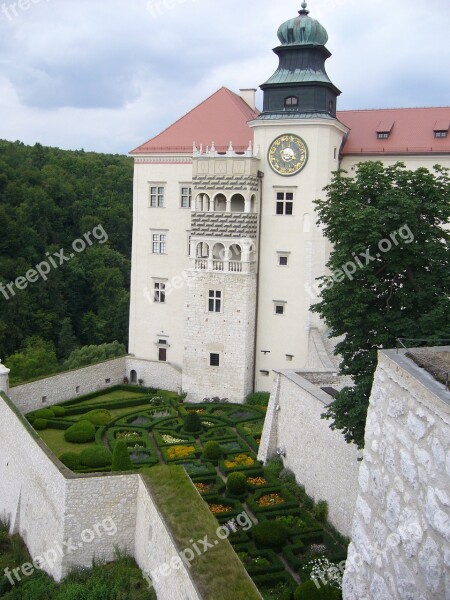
(291, 102)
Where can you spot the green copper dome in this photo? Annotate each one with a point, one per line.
(302, 31)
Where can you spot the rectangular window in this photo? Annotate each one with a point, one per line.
(215, 301)
(159, 292)
(156, 196)
(440, 134)
(280, 308)
(285, 203)
(383, 135)
(162, 354)
(159, 243)
(214, 360)
(44, 399)
(186, 197)
(283, 260)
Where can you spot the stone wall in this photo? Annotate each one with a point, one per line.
(320, 458)
(69, 520)
(401, 531)
(65, 386)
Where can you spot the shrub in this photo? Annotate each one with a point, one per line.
(99, 416)
(59, 411)
(309, 591)
(71, 460)
(320, 511)
(80, 433)
(270, 534)
(40, 424)
(275, 466)
(258, 399)
(192, 422)
(121, 460)
(44, 413)
(212, 451)
(237, 484)
(96, 457)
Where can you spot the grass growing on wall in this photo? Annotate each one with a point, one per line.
(218, 572)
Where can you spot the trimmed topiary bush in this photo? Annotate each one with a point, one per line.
(237, 484)
(270, 534)
(71, 460)
(44, 413)
(309, 591)
(59, 411)
(99, 416)
(40, 424)
(96, 457)
(192, 423)
(212, 450)
(320, 511)
(121, 460)
(80, 433)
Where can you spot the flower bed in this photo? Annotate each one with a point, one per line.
(179, 452)
(268, 500)
(238, 462)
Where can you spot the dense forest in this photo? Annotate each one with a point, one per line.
(50, 198)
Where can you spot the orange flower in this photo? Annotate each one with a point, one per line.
(270, 500)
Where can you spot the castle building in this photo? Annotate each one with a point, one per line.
(226, 246)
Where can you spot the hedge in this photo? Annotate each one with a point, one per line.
(40, 424)
(269, 534)
(43, 413)
(71, 460)
(290, 555)
(80, 433)
(289, 501)
(96, 457)
(121, 460)
(309, 591)
(237, 484)
(212, 451)
(257, 399)
(100, 416)
(275, 565)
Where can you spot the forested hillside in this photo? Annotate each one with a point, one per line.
(48, 199)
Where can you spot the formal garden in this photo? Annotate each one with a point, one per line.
(132, 428)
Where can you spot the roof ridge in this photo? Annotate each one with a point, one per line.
(391, 109)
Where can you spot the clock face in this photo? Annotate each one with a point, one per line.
(288, 154)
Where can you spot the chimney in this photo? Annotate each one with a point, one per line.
(249, 96)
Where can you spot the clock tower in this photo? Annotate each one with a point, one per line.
(300, 139)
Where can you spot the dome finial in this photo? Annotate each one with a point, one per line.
(304, 10)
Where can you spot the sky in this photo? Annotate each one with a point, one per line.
(108, 75)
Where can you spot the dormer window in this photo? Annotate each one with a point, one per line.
(291, 102)
(441, 129)
(384, 129)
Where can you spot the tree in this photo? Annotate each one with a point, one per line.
(89, 355)
(37, 359)
(121, 459)
(67, 342)
(390, 272)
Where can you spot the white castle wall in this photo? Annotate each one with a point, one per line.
(70, 520)
(70, 384)
(401, 531)
(320, 458)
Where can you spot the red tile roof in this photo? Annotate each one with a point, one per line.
(412, 131)
(222, 118)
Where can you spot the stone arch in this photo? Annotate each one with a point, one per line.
(202, 202)
(202, 250)
(219, 252)
(237, 203)
(133, 376)
(220, 203)
(235, 252)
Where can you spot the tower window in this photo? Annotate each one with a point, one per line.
(285, 203)
(214, 360)
(159, 292)
(215, 301)
(291, 102)
(156, 197)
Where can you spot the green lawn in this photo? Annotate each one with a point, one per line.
(116, 395)
(218, 572)
(54, 438)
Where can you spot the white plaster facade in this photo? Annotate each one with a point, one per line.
(320, 458)
(401, 529)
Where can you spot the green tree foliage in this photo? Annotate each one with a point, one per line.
(48, 199)
(121, 460)
(89, 355)
(38, 358)
(192, 422)
(402, 291)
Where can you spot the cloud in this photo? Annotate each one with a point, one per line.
(109, 75)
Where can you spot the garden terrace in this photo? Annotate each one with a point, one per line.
(210, 441)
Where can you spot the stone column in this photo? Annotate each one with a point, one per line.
(4, 379)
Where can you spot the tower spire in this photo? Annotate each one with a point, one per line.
(304, 10)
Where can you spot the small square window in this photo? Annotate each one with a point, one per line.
(214, 360)
(162, 354)
(279, 309)
(44, 399)
(289, 357)
(283, 261)
(162, 342)
(107, 380)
